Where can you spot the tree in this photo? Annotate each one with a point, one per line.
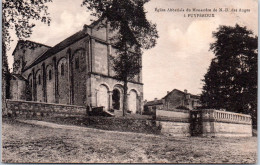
(134, 33)
(17, 16)
(231, 80)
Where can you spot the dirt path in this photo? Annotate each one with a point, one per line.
(31, 141)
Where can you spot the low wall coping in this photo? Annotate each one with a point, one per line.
(227, 112)
(35, 102)
(174, 110)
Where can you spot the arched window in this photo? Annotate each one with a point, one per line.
(76, 62)
(50, 75)
(39, 79)
(31, 83)
(62, 69)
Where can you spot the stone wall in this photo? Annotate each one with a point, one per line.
(29, 108)
(212, 123)
(173, 123)
(220, 123)
(178, 98)
(26, 53)
(18, 89)
(72, 79)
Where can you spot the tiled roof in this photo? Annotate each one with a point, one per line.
(191, 95)
(63, 44)
(155, 102)
(29, 42)
(60, 46)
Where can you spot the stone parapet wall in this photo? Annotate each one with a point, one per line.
(221, 123)
(174, 123)
(226, 117)
(19, 107)
(173, 115)
(220, 129)
(209, 123)
(176, 129)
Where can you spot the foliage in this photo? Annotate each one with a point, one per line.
(132, 33)
(17, 16)
(231, 80)
(182, 107)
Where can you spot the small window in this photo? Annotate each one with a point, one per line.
(39, 79)
(50, 75)
(77, 63)
(62, 69)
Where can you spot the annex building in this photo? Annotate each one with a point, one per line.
(76, 71)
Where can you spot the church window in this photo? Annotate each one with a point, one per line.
(39, 79)
(62, 69)
(50, 75)
(76, 62)
(31, 83)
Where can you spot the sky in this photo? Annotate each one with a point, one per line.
(181, 56)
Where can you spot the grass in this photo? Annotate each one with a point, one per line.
(29, 143)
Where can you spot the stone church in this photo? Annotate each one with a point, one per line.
(76, 71)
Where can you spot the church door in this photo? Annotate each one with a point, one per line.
(116, 99)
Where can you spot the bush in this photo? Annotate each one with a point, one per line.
(182, 107)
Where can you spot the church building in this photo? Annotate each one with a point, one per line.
(76, 71)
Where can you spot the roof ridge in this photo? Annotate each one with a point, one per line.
(38, 43)
(19, 41)
(58, 46)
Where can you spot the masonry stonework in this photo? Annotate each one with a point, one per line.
(76, 71)
(174, 123)
(213, 123)
(30, 108)
(220, 123)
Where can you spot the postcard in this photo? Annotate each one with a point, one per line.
(133, 81)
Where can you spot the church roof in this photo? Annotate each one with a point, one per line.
(63, 44)
(28, 43)
(60, 46)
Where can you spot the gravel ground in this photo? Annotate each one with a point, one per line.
(42, 142)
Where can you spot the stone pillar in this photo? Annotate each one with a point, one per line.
(93, 69)
(33, 85)
(86, 42)
(110, 93)
(140, 75)
(139, 105)
(96, 96)
(69, 74)
(127, 101)
(71, 81)
(108, 59)
(44, 86)
(56, 80)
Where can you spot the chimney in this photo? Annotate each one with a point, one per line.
(155, 99)
(185, 91)
(168, 92)
(163, 101)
